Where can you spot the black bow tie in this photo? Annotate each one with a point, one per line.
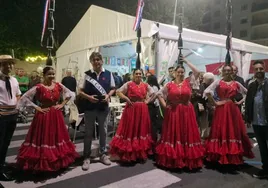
(8, 86)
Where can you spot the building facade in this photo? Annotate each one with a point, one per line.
(249, 20)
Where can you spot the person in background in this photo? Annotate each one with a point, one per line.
(249, 81)
(154, 109)
(34, 80)
(118, 80)
(69, 81)
(23, 81)
(256, 113)
(240, 80)
(205, 115)
(170, 76)
(126, 78)
(9, 97)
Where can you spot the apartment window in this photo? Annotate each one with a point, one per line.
(244, 7)
(217, 13)
(243, 21)
(243, 33)
(217, 25)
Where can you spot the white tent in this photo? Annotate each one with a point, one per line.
(100, 27)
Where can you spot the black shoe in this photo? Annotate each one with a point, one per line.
(261, 174)
(5, 177)
(1, 186)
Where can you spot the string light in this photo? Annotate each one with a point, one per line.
(35, 58)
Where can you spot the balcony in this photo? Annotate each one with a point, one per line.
(256, 7)
(259, 33)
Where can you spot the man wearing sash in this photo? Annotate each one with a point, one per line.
(97, 87)
(9, 95)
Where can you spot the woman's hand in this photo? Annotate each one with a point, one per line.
(42, 110)
(129, 101)
(220, 103)
(59, 106)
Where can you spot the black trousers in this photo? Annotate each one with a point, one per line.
(156, 120)
(261, 133)
(7, 127)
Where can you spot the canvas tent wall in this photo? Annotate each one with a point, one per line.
(206, 50)
(98, 27)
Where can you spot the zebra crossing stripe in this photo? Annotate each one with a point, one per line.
(152, 179)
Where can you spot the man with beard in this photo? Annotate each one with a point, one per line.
(256, 112)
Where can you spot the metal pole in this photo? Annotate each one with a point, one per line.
(175, 12)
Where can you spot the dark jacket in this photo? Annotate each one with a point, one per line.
(249, 103)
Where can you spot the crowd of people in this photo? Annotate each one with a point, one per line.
(181, 121)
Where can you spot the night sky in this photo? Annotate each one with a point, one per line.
(21, 22)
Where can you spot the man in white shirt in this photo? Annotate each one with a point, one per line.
(9, 95)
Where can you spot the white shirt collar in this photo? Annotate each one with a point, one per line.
(103, 70)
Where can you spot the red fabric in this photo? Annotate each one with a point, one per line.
(180, 144)
(214, 68)
(47, 146)
(228, 141)
(133, 136)
(251, 70)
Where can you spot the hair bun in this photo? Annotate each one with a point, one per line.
(49, 61)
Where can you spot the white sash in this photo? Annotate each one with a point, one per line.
(96, 85)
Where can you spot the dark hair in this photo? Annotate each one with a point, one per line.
(95, 54)
(258, 62)
(152, 81)
(46, 69)
(49, 61)
(170, 68)
(135, 70)
(179, 67)
(226, 65)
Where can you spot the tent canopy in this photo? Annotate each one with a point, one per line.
(171, 32)
(100, 26)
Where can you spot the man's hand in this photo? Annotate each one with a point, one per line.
(106, 99)
(92, 99)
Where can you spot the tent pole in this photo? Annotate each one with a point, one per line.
(156, 52)
(229, 31)
(180, 30)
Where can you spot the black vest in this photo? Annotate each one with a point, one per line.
(105, 81)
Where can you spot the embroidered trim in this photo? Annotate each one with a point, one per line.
(135, 138)
(185, 144)
(231, 140)
(44, 146)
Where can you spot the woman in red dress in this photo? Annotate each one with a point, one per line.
(180, 144)
(47, 146)
(228, 141)
(133, 139)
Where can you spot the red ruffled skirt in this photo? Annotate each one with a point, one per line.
(133, 139)
(47, 146)
(228, 141)
(180, 145)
